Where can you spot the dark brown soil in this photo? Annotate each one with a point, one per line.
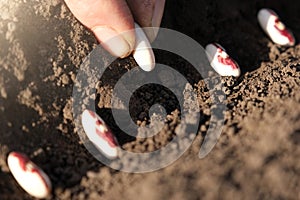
(256, 157)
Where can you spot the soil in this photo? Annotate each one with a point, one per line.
(42, 48)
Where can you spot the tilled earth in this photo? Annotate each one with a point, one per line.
(256, 157)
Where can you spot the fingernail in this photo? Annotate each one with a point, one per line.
(156, 20)
(112, 41)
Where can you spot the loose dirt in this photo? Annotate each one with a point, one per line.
(256, 157)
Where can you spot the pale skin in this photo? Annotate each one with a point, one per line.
(112, 21)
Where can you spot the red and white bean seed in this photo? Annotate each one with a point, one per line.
(99, 134)
(221, 62)
(29, 176)
(143, 53)
(274, 28)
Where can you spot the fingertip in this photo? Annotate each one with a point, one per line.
(157, 15)
(129, 37)
(117, 44)
(111, 22)
(158, 12)
(151, 33)
(148, 14)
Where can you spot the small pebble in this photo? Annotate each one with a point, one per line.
(221, 62)
(29, 176)
(143, 53)
(274, 28)
(99, 134)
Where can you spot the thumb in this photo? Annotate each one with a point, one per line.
(111, 22)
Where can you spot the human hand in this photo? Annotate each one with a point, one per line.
(112, 21)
